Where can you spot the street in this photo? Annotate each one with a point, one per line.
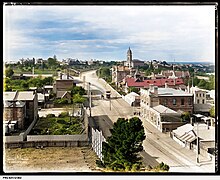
(159, 147)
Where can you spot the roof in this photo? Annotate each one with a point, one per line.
(180, 131)
(164, 110)
(27, 95)
(172, 92)
(16, 96)
(132, 94)
(61, 94)
(202, 107)
(17, 104)
(9, 95)
(133, 82)
(204, 132)
(48, 86)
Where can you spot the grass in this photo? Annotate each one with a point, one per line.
(71, 159)
(57, 126)
(36, 71)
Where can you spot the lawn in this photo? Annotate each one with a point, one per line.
(57, 126)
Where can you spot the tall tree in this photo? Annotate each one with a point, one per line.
(9, 72)
(122, 147)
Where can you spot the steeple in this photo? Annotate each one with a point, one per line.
(129, 57)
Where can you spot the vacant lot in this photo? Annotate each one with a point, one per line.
(51, 159)
(57, 126)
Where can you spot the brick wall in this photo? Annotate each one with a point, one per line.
(168, 101)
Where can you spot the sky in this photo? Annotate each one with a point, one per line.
(170, 33)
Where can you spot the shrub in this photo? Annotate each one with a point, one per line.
(63, 114)
(100, 164)
(135, 167)
(50, 115)
(61, 121)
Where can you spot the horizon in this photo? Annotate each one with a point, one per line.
(91, 32)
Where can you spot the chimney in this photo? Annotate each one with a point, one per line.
(166, 85)
(151, 86)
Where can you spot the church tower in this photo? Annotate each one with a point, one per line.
(129, 58)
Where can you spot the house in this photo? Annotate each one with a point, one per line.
(176, 100)
(120, 72)
(133, 99)
(63, 83)
(200, 101)
(140, 83)
(15, 111)
(24, 100)
(163, 118)
(187, 135)
(64, 94)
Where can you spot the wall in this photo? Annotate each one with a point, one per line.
(186, 107)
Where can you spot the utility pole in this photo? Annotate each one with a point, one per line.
(197, 151)
(90, 99)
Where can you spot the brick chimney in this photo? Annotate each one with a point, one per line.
(155, 90)
(166, 85)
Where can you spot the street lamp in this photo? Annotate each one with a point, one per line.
(90, 99)
(197, 150)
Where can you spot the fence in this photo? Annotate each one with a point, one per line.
(97, 139)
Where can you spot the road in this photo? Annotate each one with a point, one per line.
(159, 147)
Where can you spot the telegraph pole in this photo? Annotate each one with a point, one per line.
(90, 99)
(197, 151)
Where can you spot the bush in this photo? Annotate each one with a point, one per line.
(100, 164)
(61, 121)
(50, 115)
(163, 167)
(135, 167)
(63, 114)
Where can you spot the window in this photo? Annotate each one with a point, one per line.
(200, 95)
(189, 101)
(174, 101)
(197, 101)
(203, 101)
(203, 95)
(165, 102)
(182, 101)
(196, 95)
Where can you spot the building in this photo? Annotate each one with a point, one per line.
(187, 135)
(140, 83)
(63, 83)
(133, 99)
(15, 111)
(174, 73)
(120, 72)
(176, 100)
(64, 94)
(200, 101)
(27, 100)
(132, 63)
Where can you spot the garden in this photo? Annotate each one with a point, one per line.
(61, 125)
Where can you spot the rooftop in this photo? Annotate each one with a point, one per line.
(164, 110)
(22, 96)
(172, 92)
(133, 82)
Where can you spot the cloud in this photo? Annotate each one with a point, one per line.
(159, 32)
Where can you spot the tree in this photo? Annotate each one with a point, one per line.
(121, 149)
(133, 89)
(212, 111)
(185, 117)
(52, 62)
(9, 72)
(77, 98)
